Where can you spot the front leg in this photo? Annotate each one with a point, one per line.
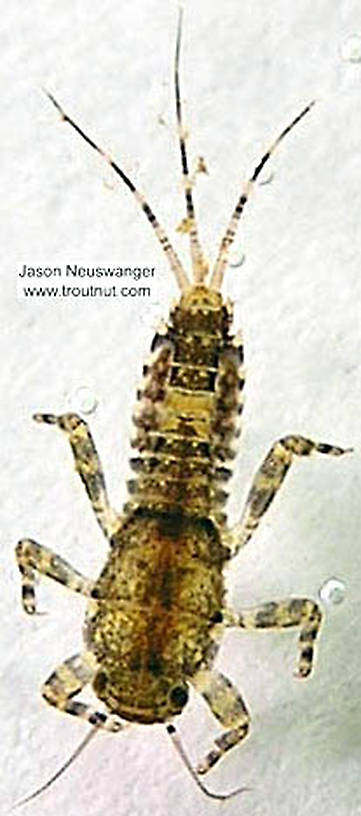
(67, 681)
(300, 612)
(88, 465)
(33, 558)
(228, 706)
(268, 480)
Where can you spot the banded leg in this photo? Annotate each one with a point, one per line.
(228, 707)
(33, 558)
(67, 681)
(268, 480)
(300, 612)
(88, 465)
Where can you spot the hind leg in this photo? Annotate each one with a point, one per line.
(268, 480)
(88, 465)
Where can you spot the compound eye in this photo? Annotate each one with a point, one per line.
(100, 682)
(179, 696)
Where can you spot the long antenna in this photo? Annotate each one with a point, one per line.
(228, 238)
(172, 256)
(171, 730)
(199, 265)
(59, 772)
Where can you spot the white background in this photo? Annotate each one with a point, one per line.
(248, 69)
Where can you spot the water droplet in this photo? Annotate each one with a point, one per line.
(236, 259)
(266, 178)
(351, 48)
(83, 400)
(333, 592)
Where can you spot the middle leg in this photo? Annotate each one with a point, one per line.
(34, 559)
(300, 612)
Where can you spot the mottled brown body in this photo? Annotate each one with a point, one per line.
(157, 610)
(150, 627)
(157, 599)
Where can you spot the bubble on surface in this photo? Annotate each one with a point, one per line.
(351, 48)
(266, 178)
(333, 592)
(162, 119)
(236, 259)
(83, 400)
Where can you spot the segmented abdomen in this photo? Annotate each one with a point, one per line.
(187, 414)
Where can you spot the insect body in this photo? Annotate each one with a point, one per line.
(157, 610)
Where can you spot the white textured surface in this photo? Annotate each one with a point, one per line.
(248, 69)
